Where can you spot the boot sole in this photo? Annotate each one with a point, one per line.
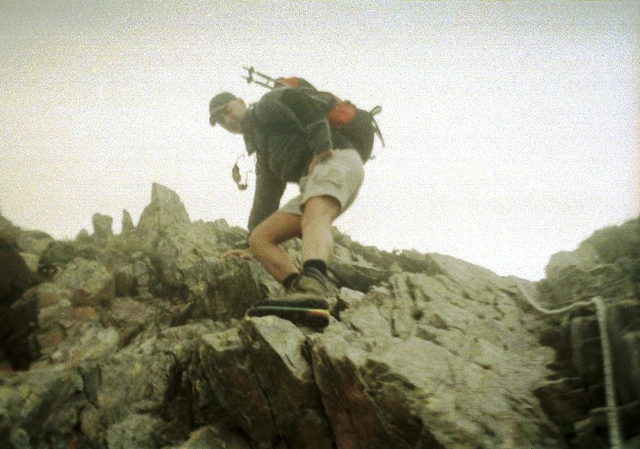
(316, 318)
(300, 303)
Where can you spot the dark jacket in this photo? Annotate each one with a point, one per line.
(285, 129)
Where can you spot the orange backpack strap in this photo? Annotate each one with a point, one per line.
(341, 114)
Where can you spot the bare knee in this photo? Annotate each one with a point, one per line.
(276, 229)
(322, 209)
(257, 240)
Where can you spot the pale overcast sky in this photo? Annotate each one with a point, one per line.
(511, 127)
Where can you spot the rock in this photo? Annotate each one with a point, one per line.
(126, 281)
(140, 340)
(191, 266)
(8, 231)
(135, 432)
(356, 419)
(165, 209)
(367, 321)
(231, 288)
(96, 341)
(277, 348)
(19, 325)
(411, 261)
(102, 226)
(579, 275)
(478, 415)
(127, 222)
(15, 276)
(565, 401)
(586, 348)
(138, 381)
(358, 277)
(348, 298)
(214, 437)
(390, 397)
(42, 405)
(56, 256)
(474, 282)
(616, 242)
(32, 261)
(632, 348)
(90, 282)
(231, 376)
(129, 317)
(623, 321)
(33, 242)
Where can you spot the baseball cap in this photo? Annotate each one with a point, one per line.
(217, 104)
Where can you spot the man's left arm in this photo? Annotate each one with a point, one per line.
(312, 118)
(268, 193)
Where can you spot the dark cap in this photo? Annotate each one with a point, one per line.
(217, 104)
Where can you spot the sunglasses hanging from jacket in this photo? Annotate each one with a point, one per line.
(237, 176)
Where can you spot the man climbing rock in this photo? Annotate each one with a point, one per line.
(294, 142)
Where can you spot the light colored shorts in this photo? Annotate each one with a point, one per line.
(339, 176)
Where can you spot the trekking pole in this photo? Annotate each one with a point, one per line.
(265, 81)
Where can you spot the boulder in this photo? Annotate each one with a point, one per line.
(215, 437)
(40, 408)
(357, 276)
(33, 242)
(277, 349)
(165, 209)
(231, 376)
(90, 283)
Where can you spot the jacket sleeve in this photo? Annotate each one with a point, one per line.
(291, 110)
(266, 200)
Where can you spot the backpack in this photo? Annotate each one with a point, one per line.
(355, 125)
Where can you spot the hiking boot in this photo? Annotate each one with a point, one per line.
(313, 283)
(310, 290)
(304, 304)
(300, 316)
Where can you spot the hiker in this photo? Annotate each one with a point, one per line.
(294, 142)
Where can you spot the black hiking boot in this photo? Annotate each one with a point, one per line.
(300, 316)
(305, 304)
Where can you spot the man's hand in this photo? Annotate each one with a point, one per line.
(319, 158)
(241, 253)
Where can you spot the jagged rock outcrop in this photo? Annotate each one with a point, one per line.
(165, 209)
(606, 265)
(127, 222)
(139, 340)
(102, 226)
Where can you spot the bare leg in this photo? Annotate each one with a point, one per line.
(265, 243)
(317, 216)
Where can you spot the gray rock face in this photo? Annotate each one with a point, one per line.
(165, 209)
(102, 226)
(605, 265)
(140, 341)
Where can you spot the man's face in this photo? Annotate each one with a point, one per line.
(230, 117)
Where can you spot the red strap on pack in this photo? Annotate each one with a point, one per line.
(341, 114)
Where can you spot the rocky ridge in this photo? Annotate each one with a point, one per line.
(138, 340)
